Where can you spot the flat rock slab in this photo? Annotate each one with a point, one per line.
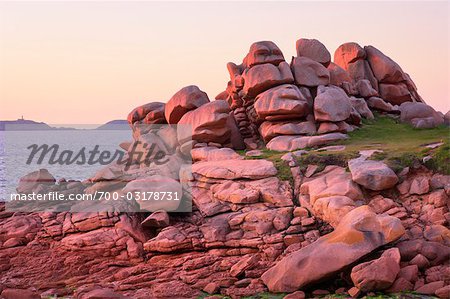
(291, 143)
(232, 169)
(214, 154)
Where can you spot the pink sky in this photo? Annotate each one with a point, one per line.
(91, 62)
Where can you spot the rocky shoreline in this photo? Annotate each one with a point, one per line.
(351, 229)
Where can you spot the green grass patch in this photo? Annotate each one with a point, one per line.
(323, 159)
(393, 137)
(402, 146)
(440, 159)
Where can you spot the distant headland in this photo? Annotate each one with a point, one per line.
(22, 124)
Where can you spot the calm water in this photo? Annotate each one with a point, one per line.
(14, 153)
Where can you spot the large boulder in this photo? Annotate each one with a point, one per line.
(378, 274)
(280, 103)
(359, 233)
(214, 154)
(379, 104)
(151, 113)
(29, 182)
(348, 53)
(331, 104)
(420, 113)
(263, 52)
(384, 68)
(373, 175)
(365, 89)
(361, 107)
(186, 99)
(206, 124)
(166, 193)
(395, 93)
(314, 50)
(338, 75)
(308, 72)
(436, 253)
(330, 194)
(360, 70)
(261, 77)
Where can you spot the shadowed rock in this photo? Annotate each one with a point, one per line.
(308, 72)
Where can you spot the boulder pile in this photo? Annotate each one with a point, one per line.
(256, 225)
(288, 106)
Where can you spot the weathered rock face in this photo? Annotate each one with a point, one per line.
(157, 219)
(360, 70)
(314, 50)
(186, 99)
(378, 274)
(331, 104)
(348, 53)
(214, 154)
(151, 113)
(269, 130)
(395, 93)
(338, 75)
(230, 170)
(379, 104)
(361, 107)
(281, 103)
(290, 143)
(31, 181)
(383, 67)
(360, 232)
(373, 175)
(308, 72)
(157, 184)
(263, 52)
(420, 115)
(264, 76)
(330, 194)
(365, 89)
(209, 123)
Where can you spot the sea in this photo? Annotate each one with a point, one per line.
(15, 151)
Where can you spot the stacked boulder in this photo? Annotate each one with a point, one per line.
(287, 106)
(376, 77)
(199, 120)
(283, 106)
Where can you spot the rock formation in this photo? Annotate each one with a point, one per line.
(251, 229)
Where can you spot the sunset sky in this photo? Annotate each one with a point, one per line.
(91, 62)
